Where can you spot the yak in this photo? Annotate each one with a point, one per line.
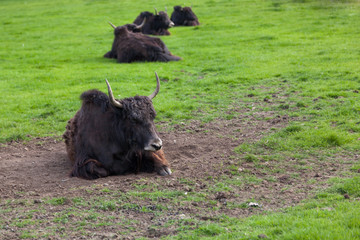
(129, 46)
(184, 17)
(156, 24)
(108, 136)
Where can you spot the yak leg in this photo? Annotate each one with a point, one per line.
(165, 57)
(110, 54)
(160, 163)
(90, 169)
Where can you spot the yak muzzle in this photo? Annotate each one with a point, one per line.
(154, 145)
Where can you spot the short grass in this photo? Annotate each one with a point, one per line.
(327, 216)
(293, 58)
(52, 51)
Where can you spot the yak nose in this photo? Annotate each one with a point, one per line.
(154, 145)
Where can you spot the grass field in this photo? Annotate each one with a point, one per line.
(297, 58)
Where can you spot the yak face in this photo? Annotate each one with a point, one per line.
(162, 20)
(184, 16)
(138, 119)
(155, 24)
(138, 114)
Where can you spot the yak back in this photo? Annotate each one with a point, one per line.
(139, 19)
(138, 108)
(96, 98)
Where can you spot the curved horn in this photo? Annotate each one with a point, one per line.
(157, 87)
(112, 25)
(156, 11)
(166, 10)
(113, 101)
(142, 24)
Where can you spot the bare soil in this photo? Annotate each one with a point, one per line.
(199, 154)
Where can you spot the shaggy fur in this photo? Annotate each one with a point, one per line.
(103, 140)
(184, 17)
(155, 24)
(131, 47)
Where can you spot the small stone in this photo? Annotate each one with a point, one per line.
(253, 204)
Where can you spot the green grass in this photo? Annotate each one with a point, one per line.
(52, 52)
(327, 216)
(301, 57)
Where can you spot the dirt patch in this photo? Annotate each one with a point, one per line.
(41, 166)
(199, 155)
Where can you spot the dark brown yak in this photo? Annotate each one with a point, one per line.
(129, 46)
(110, 137)
(184, 17)
(157, 24)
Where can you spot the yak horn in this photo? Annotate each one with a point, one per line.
(112, 25)
(156, 11)
(166, 10)
(142, 24)
(113, 101)
(157, 87)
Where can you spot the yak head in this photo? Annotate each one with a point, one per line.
(183, 15)
(137, 116)
(129, 27)
(162, 20)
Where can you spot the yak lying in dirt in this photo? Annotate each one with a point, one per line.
(110, 137)
(156, 24)
(184, 17)
(130, 46)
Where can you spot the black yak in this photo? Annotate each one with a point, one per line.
(129, 46)
(184, 17)
(110, 137)
(155, 24)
